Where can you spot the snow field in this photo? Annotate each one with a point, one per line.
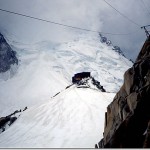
(72, 119)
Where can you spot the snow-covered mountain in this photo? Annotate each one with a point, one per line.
(73, 118)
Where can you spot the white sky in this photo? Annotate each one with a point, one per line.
(94, 15)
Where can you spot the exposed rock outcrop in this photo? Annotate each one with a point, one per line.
(127, 120)
(7, 121)
(7, 55)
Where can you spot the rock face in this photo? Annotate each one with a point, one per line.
(7, 55)
(127, 120)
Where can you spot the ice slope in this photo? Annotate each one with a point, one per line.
(72, 119)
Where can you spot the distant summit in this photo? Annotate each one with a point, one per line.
(7, 55)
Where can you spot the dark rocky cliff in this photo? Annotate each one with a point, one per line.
(127, 120)
(7, 55)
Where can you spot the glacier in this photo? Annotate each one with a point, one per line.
(75, 117)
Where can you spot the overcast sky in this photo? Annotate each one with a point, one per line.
(89, 14)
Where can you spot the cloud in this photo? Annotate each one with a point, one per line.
(94, 15)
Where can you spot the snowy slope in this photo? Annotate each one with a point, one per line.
(75, 117)
(72, 119)
(46, 68)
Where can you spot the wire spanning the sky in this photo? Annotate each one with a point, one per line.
(122, 14)
(61, 24)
